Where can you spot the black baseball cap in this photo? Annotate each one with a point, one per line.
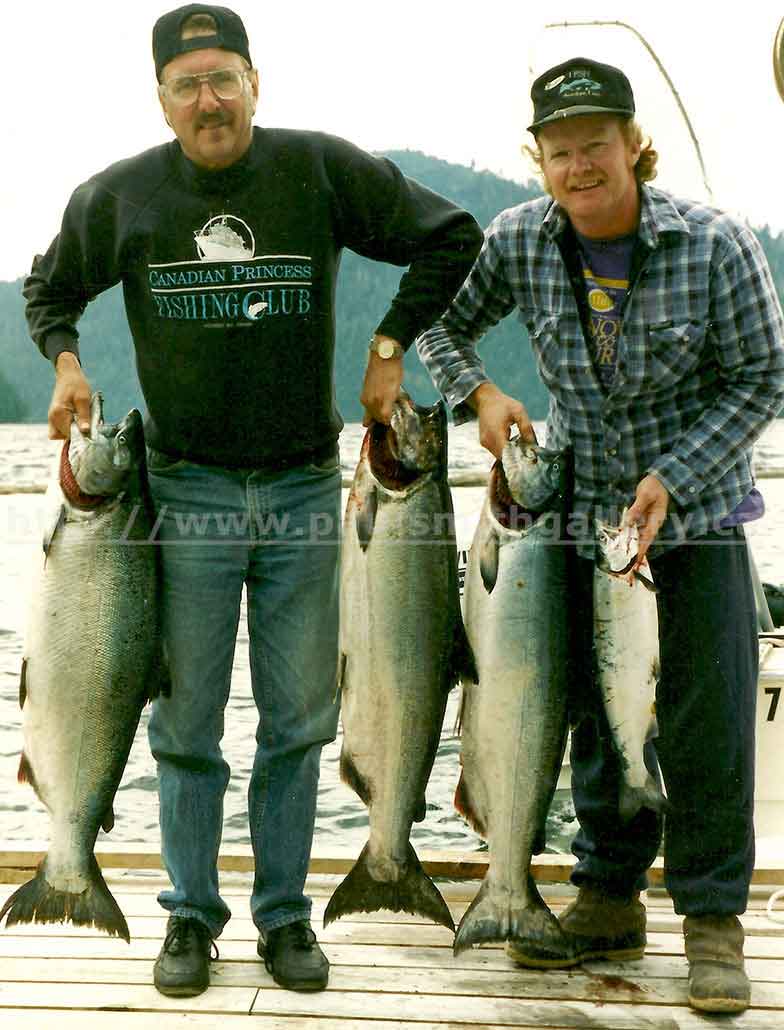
(167, 41)
(580, 86)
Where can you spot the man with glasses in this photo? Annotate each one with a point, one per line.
(227, 243)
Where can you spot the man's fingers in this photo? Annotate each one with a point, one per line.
(70, 398)
(380, 390)
(631, 517)
(493, 440)
(525, 426)
(82, 406)
(60, 419)
(378, 411)
(527, 432)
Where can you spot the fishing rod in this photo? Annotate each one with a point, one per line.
(778, 59)
(668, 80)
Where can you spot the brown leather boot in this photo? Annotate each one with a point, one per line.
(606, 926)
(717, 978)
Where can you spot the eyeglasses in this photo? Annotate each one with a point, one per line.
(225, 83)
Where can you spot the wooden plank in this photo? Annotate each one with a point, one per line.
(411, 1010)
(122, 996)
(675, 967)
(236, 857)
(363, 927)
(122, 971)
(571, 985)
(244, 930)
(335, 1011)
(46, 1019)
(26, 949)
(143, 902)
(239, 885)
(239, 858)
(661, 948)
(754, 946)
(63, 938)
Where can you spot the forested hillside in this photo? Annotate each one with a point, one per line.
(364, 291)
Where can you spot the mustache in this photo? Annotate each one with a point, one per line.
(212, 120)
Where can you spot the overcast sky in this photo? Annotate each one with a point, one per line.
(449, 78)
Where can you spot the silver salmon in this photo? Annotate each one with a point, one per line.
(403, 648)
(514, 719)
(92, 658)
(626, 644)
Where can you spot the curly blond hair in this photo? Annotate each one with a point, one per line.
(644, 170)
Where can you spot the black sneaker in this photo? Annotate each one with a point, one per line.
(293, 958)
(182, 968)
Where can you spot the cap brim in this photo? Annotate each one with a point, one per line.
(578, 109)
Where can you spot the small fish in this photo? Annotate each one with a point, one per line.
(626, 643)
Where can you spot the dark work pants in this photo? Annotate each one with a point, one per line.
(705, 706)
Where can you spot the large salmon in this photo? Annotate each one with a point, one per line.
(403, 648)
(514, 719)
(92, 658)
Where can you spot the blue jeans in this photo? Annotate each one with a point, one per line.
(278, 533)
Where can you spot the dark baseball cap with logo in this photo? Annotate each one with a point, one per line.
(580, 86)
(167, 41)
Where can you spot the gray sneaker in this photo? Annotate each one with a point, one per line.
(182, 968)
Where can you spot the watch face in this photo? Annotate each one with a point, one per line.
(386, 349)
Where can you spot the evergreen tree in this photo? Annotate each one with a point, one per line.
(11, 407)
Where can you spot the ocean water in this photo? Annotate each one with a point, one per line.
(25, 459)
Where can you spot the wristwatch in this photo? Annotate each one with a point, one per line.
(385, 347)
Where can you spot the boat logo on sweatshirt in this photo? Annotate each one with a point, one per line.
(226, 283)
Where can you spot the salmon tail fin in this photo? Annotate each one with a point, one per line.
(38, 902)
(530, 924)
(632, 799)
(413, 892)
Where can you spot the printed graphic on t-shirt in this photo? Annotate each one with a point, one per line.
(226, 283)
(605, 301)
(606, 268)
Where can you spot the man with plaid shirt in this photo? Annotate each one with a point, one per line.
(657, 331)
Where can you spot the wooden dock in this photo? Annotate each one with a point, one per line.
(389, 972)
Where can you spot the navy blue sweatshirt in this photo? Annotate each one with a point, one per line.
(229, 283)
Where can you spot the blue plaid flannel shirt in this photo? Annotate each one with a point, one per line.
(700, 369)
